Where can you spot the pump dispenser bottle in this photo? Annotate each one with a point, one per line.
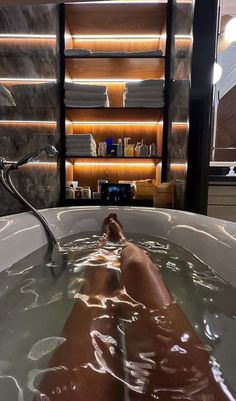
(143, 149)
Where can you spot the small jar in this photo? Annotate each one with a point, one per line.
(85, 193)
(78, 193)
(70, 193)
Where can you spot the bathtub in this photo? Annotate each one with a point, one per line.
(212, 240)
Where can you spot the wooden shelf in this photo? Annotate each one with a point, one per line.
(113, 56)
(108, 28)
(115, 68)
(113, 19)
(112, 159)
(114, 114)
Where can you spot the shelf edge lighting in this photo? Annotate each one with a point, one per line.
(108, 80)
(117, 36)
(114, 164)
(25, 36)
(27, 122)
(114, 122)
(120, 2)
(28, 80)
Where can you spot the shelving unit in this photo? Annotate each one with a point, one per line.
(105, 27)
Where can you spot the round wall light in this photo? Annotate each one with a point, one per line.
(217, 73)
(230, 31)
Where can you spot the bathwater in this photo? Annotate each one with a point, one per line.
(70, 331)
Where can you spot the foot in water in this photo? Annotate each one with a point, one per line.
(112, 228)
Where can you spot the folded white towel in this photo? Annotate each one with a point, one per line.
(144, 91)
(77, 95)
(85, 88)
(78, 153)
(84, 103)
(144, 104)
(143, 97)
(80, 137)
(147, 83)
(81, 147)
(89, 53)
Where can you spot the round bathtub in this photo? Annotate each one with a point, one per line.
(22, 238)
(212, 240)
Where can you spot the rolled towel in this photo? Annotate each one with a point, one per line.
(85, 88)
(77, 95)
(85, 103)
(6, 98)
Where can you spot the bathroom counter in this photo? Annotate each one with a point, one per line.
(222, 197)
(222, 178)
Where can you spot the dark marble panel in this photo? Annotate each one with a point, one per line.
(37, 183)
(19, 134)
(183, 18)
(35, 19)
(179, 101)
(29, 65)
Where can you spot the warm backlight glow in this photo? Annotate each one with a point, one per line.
(117, 36)
(138, 123)
(26, 36)
(28, 80)
(117, 165)
(22, 122)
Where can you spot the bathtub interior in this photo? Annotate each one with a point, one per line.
(212, 240)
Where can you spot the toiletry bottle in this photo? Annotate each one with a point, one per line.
(109, 146)
(136, 150)
(152, 150)
(128, 148)
(143, 149)
(120, 148)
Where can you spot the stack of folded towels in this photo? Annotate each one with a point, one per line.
(79, 95)
(80, 145)
(147, 93)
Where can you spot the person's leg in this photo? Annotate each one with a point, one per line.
(183, 369)
(86, 366)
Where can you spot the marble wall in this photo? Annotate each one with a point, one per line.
(29, 69)
(179, 98)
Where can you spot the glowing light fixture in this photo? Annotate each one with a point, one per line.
(84, 164)
(114, 123)
(121, 2)
(27, 80)
(217, 73)
(230, 31)
(25, 36)
(117, 36)
(113, 81)
(26, 122)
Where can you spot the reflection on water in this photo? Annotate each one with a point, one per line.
(70, 331)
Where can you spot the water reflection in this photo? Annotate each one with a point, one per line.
(73, 332)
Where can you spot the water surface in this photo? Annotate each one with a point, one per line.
(69, 330)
